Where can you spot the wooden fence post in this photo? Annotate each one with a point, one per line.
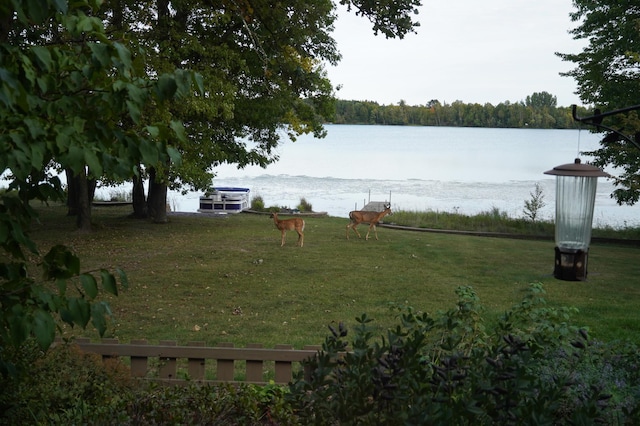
(168, 366)
(225, 367)
(196, 366)
(283, 369)
(254, 366)
(109, 341)
(139, 364)
(308, 371)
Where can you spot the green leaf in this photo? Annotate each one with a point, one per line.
(136, 94)
(19, 327)
(174, 154)
(44, 328)
(60, 263)
(183, 80)
(62, 6)
(179, 130)
(92, 160)
(37, 11)
(37, 154)
(66, 316)
(47, 299)
(87, 24)
(100, 52)
(44, 56)
(149, 153)
(90, 285)
(124, 280)
(99, 313)
(199, 82)
(75, 158)
(166, 87)
(109, 282)
(35, 127)
(124, 54)
(154, 131)
(134, 111)
(79, 311)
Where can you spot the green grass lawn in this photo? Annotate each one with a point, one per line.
(213, 279)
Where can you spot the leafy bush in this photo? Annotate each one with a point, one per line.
(67, 386)
(450, 370)
(305, 206)
(257, 203)
(533, 206)
(62, 386)
(531, 367)
(222, 404)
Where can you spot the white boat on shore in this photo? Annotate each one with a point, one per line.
(225, 200)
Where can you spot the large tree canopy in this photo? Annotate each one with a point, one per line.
(608, 77)
(262, 64)
(65, 90)
(101, 90)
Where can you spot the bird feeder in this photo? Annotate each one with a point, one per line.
(575, 198)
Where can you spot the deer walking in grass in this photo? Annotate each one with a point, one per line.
(372, 218)
(285, 225)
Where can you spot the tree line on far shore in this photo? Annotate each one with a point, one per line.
(538, 111)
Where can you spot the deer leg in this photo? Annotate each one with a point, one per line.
(300, 239)
(353, 226)
(284, 233)
(373, 225)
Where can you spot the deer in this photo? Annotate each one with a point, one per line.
(372, 218)
(285, 225)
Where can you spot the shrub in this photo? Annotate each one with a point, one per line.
(533, 206)
(64, 386)
(450, 370)
(223, 404)
(305, 206)
(67, 386)
(257, 203)
(532, 367)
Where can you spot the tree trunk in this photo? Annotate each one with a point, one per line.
(139, 200)
(157, 198)
(84, 192)
(72, 193)
(80, 193)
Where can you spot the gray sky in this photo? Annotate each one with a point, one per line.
(474, 51)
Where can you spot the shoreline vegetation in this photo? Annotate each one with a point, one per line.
(493, 222)
(500, 223)
(538, 111)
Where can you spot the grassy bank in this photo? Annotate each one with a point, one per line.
(227, 279)
(496, 220)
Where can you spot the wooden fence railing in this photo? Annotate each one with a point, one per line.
(204, 364)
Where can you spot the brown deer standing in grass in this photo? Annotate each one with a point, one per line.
(285, 225)
(372, 218)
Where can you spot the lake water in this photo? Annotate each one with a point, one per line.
(465, 170)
